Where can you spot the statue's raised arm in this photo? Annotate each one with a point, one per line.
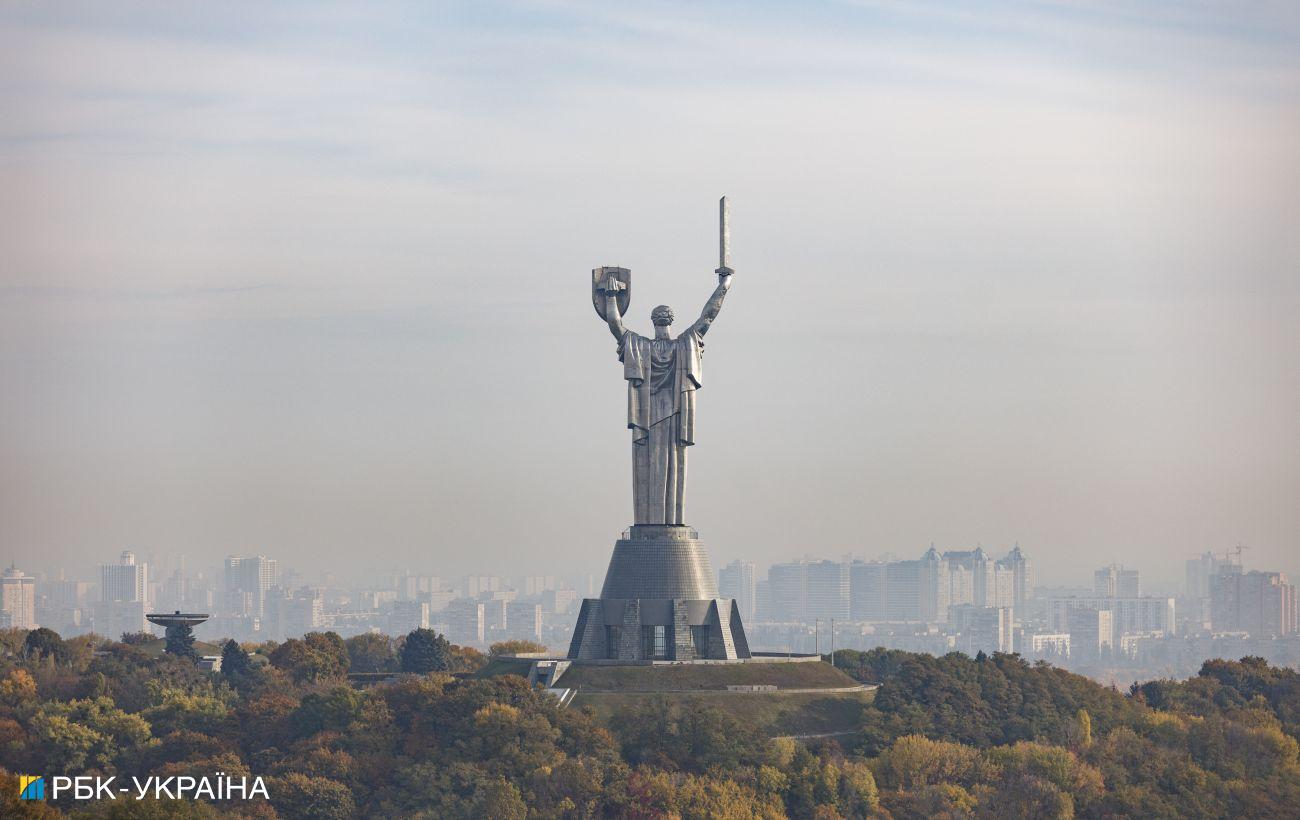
(714, 305)
(611, 292)
(724, 271)
(612, 317)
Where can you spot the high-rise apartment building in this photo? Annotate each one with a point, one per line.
(125, 581)
(440, 599)
(247, 582)
(415, 587)
(763, 600)
(981, 628)
(1022, 578)
(17, 599)
(1091, 631)
(496, 614)
(536, 584)
(806, 590)
(737, 580)
(466, 621)
(558, 601)
(827, 590)
(1260, 603)
(971, 577)
(124, 597)
(1129, 616)
(63, 606)
(788, 585)
(1199, 572)
(407, 616)
(1115, 581)
(480, 585)
(292, 615)
(868, 590)
(524, 620)
(919, 590)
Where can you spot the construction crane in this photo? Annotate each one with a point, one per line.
(1234, 552)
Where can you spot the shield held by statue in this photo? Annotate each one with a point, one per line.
(599, 283)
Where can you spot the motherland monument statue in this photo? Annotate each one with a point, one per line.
(660, 597)
(662, 372)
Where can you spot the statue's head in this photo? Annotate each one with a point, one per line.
(662, 316)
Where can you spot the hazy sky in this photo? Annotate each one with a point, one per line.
(312, 280)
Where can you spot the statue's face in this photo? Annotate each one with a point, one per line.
(662, 316)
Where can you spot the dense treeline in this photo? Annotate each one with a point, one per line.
(944, 737)
(997, 736)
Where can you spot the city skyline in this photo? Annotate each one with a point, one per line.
(1169, 578)
(1108, 625)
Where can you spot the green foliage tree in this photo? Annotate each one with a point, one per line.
(44, 643)
(371, 652)
(179, 708)
(334, 710)
(426, 651)
(236, 663)
(665, 734)
(180, 641)
(88, 734)
(137, 638)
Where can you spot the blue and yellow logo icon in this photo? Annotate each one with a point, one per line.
(31, 787)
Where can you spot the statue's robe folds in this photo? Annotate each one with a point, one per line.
(662, 377)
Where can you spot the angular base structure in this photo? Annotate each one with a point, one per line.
(659, 602)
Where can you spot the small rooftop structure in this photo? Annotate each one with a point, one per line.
(177, 618)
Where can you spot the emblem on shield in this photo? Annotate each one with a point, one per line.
(600, 284)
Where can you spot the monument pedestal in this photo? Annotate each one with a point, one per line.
(659, 602)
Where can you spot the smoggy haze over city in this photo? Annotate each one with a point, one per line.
(313, 282)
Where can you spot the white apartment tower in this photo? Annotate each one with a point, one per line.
(17, 599)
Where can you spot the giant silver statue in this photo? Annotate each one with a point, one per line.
(660, 597)
(662, 375)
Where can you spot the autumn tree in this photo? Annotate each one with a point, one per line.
(317, 656)
(311, 798)
(516, 647)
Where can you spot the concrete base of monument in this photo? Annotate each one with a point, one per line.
(665, 629)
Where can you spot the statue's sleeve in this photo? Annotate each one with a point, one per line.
(634, 353)
(692, 359)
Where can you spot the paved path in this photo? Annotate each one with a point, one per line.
(836, 690)
(823, 734)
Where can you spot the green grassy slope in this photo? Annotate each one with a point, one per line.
(771, 713)
(690, 677)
